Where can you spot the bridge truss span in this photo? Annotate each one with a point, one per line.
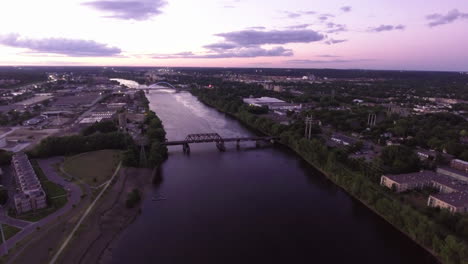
(216, 138)
(206, 137)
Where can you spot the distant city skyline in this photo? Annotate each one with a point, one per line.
(366, 34)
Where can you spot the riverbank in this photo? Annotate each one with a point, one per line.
(335, 178)
(108, 220)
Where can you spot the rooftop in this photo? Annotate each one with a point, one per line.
(422, 176)
(455, 199)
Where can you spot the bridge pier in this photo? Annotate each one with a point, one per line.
(186, 148)
(220, 145)
(238, 144)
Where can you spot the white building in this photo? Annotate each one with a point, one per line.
(272, 103)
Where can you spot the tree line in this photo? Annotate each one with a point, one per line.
(444, 236)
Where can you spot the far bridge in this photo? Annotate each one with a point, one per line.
(216, 138)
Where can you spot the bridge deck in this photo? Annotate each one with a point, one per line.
(182, 142)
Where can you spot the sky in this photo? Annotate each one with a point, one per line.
(357, 34)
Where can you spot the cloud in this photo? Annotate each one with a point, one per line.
(239, 52)
(301, 26)
(328, 56)
(290, 14)
(383, 28)
(335, 41)
(324, 17)
(254, 37)
(450, 17)
(346, 8)
(129, 9)
(68, 47)
(257, 28)
(335, 28)
(220, 46)
(325, 61)
(248, 44)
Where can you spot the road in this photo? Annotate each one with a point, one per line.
(74, 198)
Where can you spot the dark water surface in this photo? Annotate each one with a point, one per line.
(250, 205)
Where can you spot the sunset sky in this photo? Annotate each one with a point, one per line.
(370, 34)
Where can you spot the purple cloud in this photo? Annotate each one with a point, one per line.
(335, 41)
(220, 46)
(290, 14)
(131, 9)
(346, 8)
(68, 47)
(383, 28)
(247, 52)
(301, 26)
(335, 28)
(254, 37)
(324, 61)
(450, 17)
(324, 17)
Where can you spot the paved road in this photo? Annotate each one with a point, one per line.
(74, 197)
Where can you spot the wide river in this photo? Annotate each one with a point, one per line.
(253, 205)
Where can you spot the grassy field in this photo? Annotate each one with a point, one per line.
(9, 231)
(93, 168)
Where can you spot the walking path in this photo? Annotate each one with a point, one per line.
(74, 191)
(90, 208)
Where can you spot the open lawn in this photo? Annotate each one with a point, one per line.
(93, 168)
(9, 231)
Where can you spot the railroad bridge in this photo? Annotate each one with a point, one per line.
(216, 138)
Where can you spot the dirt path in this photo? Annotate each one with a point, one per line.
(110, 217)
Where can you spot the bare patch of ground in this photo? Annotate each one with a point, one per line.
(107, 221)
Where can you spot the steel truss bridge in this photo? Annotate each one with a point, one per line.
(216, 138)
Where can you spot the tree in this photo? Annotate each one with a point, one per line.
(399, 159)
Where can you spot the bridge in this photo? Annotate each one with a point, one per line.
(157, 85)
(216, 138)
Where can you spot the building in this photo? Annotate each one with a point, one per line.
(343, 140)
(272, 103)
(454, 202)
(29, 195)
(454, 173)
(409, 181)
(452, 193)
(35, 121)
(459, 165)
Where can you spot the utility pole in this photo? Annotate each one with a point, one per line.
(372, 120)
(308, 127)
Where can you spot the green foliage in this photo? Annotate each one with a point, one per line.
(133, 198)
(5, 157)
(399, 159)
(102, 127)
(70, 145)
(3, 196)
(257, 110)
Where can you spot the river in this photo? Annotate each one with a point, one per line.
(253, 205)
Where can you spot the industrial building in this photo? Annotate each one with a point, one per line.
(271, 103)
(29, 195)
(452, 192)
